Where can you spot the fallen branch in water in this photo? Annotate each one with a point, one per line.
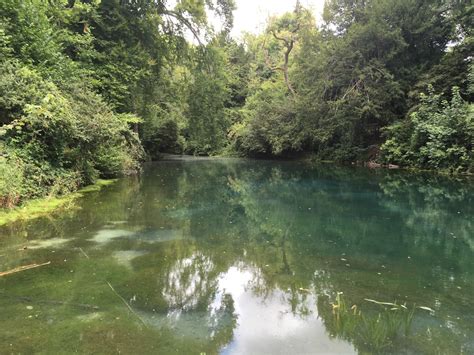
(22, 268)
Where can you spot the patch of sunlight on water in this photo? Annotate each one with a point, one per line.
(125, 257)
(108, 235)
(95, 316)
(105, 236)
(47, 243)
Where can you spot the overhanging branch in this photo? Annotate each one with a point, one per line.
(184, 21)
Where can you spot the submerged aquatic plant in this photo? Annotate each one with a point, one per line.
(372, 331)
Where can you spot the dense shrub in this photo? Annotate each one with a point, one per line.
(11, 179)
(62, 137)
(164, 136)
(269, 125)
(438, 135)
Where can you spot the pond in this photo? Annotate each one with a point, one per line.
(206, 256)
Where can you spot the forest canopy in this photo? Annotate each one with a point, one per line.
(90, 88)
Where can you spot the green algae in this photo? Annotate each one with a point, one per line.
(97, 186)
(45, 206)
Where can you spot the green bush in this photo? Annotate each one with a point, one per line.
(11, 179)
(438, 135)
(269, 125)
(65, 136)
(163, 137)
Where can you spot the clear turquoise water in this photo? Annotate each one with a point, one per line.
(244, 257)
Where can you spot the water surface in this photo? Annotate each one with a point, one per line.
(245, 257)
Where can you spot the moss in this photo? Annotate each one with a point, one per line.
(97, 186)
(41, 207)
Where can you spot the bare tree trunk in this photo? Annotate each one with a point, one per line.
(285, 70)
(289, 44)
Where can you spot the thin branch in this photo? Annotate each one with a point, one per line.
(126, 303)
(83, 252)
(185, 21)
(352, 88)
(279, 38)
(22, 268)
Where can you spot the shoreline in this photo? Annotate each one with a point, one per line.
(40, 207)
(369, 165)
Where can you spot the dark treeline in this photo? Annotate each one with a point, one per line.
(90, 88)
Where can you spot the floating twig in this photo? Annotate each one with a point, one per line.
(83, 252)
(22, 268)
(126, 303)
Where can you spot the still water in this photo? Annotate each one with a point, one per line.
(206, 256)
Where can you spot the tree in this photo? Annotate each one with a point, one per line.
(438, 135)
(287, 30)
(208, 94)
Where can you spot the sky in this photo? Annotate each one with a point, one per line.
(251, 15)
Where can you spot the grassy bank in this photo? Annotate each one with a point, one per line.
(44, 206)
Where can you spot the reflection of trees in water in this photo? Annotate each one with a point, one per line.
(187, 283)
(191, 285)
(318, 202)
(434, 204)
(301, 222)
(354, 214)
(305, 232)
(176, 287)
(290, 225)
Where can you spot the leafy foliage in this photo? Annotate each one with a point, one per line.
(56, 133)
(208, 94)
(82, 79)
(360, 72)
(438, 135)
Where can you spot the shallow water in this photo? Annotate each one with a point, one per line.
(242, 257)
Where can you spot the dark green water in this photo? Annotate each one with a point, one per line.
(245, 257)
